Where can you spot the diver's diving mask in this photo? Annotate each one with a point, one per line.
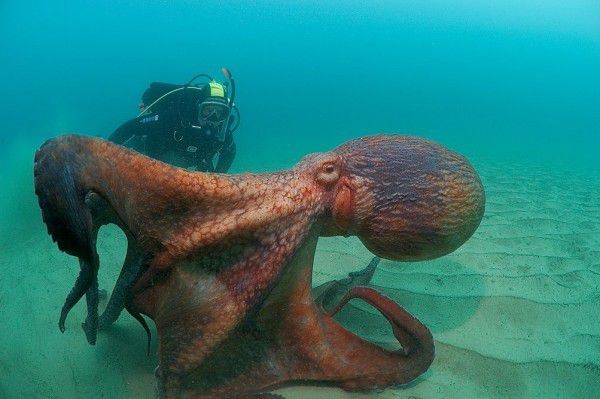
(213, 115)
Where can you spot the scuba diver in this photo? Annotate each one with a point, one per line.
(185, 125)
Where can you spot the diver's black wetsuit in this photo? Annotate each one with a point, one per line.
(170, 126)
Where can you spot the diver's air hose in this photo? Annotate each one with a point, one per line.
(237, 119)
(164, 95)
(203, 75)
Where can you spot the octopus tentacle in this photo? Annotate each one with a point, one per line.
(85, 280)
(71, 191)
(132, 267)
(67, 218)
(330, 293)
(90, 326)
(342, 358)
(102, 213)
(209, 325)
(415, 338)
(356, 364)
(291, 339)
(140, 319)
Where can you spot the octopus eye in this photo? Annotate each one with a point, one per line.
(328, 173)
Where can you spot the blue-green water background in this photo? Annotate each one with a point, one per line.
(509, 79)
(513, 85)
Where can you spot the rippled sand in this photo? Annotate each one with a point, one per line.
(514, 312)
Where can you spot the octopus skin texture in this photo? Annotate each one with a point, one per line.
(223, 263)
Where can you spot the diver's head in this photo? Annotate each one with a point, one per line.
(214, 111)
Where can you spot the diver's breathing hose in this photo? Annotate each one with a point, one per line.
(164, 95)
(204, 75)
(237, 119)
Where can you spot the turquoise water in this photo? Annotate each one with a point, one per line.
(515, 87)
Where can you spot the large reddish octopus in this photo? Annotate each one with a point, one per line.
(223, 263)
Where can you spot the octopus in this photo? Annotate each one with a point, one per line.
(222, 264)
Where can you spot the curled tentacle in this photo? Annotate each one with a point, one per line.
(415, 338)
(143, 323)
(330, 293)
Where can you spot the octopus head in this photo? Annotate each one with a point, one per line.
(406, 198)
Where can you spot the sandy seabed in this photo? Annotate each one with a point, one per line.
(514, 312)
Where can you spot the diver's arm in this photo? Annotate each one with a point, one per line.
(124, 132)
(204, 165)
(226, 155)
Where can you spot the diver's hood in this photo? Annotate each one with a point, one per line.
(213, 116)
